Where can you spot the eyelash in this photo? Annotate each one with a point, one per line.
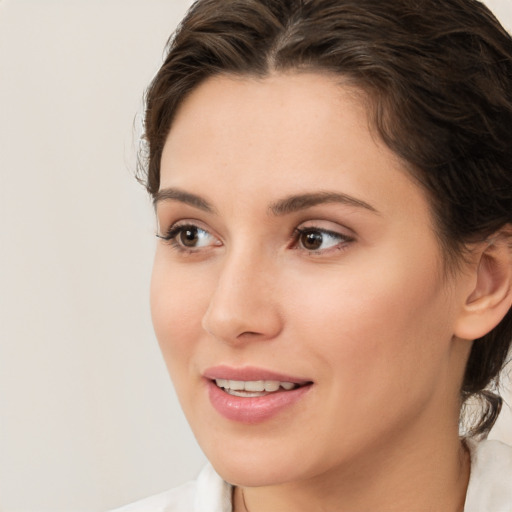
(343, 240)
(171, 237)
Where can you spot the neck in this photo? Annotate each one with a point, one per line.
(415, 475)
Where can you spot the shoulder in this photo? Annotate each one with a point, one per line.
(209, 493)
(490, 486)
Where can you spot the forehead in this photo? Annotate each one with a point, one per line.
(303, 123)
(295, 117)
(285, 131)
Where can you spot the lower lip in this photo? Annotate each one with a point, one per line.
(253, 409)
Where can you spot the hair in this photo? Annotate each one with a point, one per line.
(437, 75)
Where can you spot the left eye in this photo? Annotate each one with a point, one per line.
(190, 237)
(319, 239)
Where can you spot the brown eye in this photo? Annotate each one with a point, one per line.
(311, 240)
(189, 236)
(316, 240)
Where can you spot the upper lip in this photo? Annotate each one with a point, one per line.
(250, 373)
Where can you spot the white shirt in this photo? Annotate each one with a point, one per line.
(489, 490)
(490, 482)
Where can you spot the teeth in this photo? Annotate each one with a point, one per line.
(253, 387)
(222, 383)
(245, 393)
(236, 385)
(271, 385)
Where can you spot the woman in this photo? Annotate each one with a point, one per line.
(332, 283)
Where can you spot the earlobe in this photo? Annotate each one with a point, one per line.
(491, 295)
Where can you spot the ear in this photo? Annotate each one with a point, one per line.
(490, 292)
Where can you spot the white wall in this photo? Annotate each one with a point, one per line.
(88, 418)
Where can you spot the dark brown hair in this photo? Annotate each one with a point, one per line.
(438, 77)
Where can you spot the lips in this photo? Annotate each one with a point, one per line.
(252, 395)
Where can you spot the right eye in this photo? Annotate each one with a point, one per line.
(189, 237)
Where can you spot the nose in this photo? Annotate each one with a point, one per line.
(243, 305)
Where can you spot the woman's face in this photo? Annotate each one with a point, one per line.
(300, 255)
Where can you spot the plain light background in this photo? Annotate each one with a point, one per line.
(88, 417)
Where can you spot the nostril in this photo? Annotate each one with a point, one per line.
(237, 314)
(249, 334)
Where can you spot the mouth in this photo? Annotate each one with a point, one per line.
(252, 395)
(254, 388)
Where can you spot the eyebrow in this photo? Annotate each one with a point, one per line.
(299, 202)
(282, 207)
(175, 194)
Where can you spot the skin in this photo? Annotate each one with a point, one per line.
(370, 317)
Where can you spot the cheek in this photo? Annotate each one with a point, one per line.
(380, 340)
(178, 303)
(370, 322)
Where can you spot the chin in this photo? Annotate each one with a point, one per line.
(245, 474)
(259, 466)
